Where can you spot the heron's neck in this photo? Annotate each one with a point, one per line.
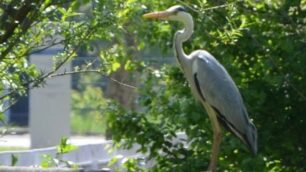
(180, 37)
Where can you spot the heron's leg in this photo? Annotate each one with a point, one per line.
(216, 142)
(215, 150)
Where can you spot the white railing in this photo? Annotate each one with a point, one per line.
(90, 156)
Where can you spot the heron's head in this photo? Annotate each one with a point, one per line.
(174, 13)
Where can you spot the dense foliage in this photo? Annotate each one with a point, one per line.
(261, 43)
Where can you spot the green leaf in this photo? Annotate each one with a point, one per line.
(115, 66)
(47, 161)
(14, 160)
(65, 147)
(2, 116)
(113, 161)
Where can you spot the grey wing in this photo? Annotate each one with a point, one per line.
(219, 91)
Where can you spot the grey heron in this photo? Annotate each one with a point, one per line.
(211, 84)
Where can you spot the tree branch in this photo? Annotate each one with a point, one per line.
(92, 71)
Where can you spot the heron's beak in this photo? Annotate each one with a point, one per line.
(157, 15)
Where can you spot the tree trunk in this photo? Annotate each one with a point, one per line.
(123, 94)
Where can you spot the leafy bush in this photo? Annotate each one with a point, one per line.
(261, 45)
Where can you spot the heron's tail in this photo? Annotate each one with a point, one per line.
(251, 138)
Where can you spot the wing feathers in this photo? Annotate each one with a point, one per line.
(198, 86)
(232, 128)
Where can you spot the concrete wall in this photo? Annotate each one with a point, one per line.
(49, 105)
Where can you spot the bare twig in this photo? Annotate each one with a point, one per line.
(44, 47)
(297, 91)
(205, 9)
(217, 7)
(35, 82)
(11, 103)
(92, 71)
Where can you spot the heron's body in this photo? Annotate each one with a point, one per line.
(233, 114)
(211, 85)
